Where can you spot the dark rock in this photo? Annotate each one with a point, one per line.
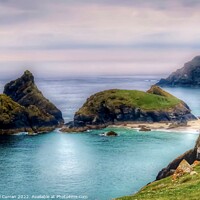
(111, 133)
(23, 108)
(13, 117)
(190, 156)
(144, 128)
(180, 123)
(25, 92)
(187, 76)
(70, 128)
(73, 129)
(110, 107)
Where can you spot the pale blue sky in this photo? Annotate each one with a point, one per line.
(86, 37)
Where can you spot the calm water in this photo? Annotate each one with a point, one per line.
(87, 164)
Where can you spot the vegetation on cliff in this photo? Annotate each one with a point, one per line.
(24, 91)
(12, 115)
(187, 187)
(172, 182)
(24, 108)
(132, 98)
(112, 106)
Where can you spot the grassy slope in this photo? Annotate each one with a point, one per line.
(187, 187)
(132, 98)
(9, 107)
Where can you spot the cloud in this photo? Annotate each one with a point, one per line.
(50, 31)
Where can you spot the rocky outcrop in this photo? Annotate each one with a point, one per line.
(183, 168)
(144, 129)
(23, 108)
(119, 106)
(111, 133)
(190, 156)
(187, 76)
(25, 92)
(15, 118)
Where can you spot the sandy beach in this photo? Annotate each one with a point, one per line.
(191, 126)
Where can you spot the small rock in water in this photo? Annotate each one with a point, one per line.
(144, 128)
(111, 133)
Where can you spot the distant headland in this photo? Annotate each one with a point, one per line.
(187, 76)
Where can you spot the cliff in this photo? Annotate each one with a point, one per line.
(117, 106)
(13, 117)
(24, 91)
(187, 76)
(183, 185)
(190, 156)
(23, 108)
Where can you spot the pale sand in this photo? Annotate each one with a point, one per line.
(191, 127)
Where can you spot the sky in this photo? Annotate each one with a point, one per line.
(97, 37)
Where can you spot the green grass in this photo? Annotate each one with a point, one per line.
(186, 187)
(9, 109)
(132, 98)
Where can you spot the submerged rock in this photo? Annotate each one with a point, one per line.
(187, 76)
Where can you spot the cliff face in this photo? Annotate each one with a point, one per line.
(183, 184)
(190, 156)
(187, 76)
(12, 116)
(23, 108)
(113, 106)
(25, 92)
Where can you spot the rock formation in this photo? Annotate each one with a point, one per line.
(190, 156)
(111, 133)
(118, 106)
(183, 167)
(187, 76)
(24, 108)
(25, 92)
(13, 117)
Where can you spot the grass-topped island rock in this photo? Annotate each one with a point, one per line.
(23, 108)
(119, 106)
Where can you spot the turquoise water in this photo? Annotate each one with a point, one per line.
(88, 164)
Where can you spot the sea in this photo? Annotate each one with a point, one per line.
(87, 165)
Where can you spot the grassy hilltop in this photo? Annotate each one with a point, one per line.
(186, 187)
(132, 98)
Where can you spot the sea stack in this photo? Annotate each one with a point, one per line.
(118, 106)
(24, 108)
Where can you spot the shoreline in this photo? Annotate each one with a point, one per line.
(192, 126)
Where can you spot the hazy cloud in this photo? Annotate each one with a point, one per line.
(50, 30)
